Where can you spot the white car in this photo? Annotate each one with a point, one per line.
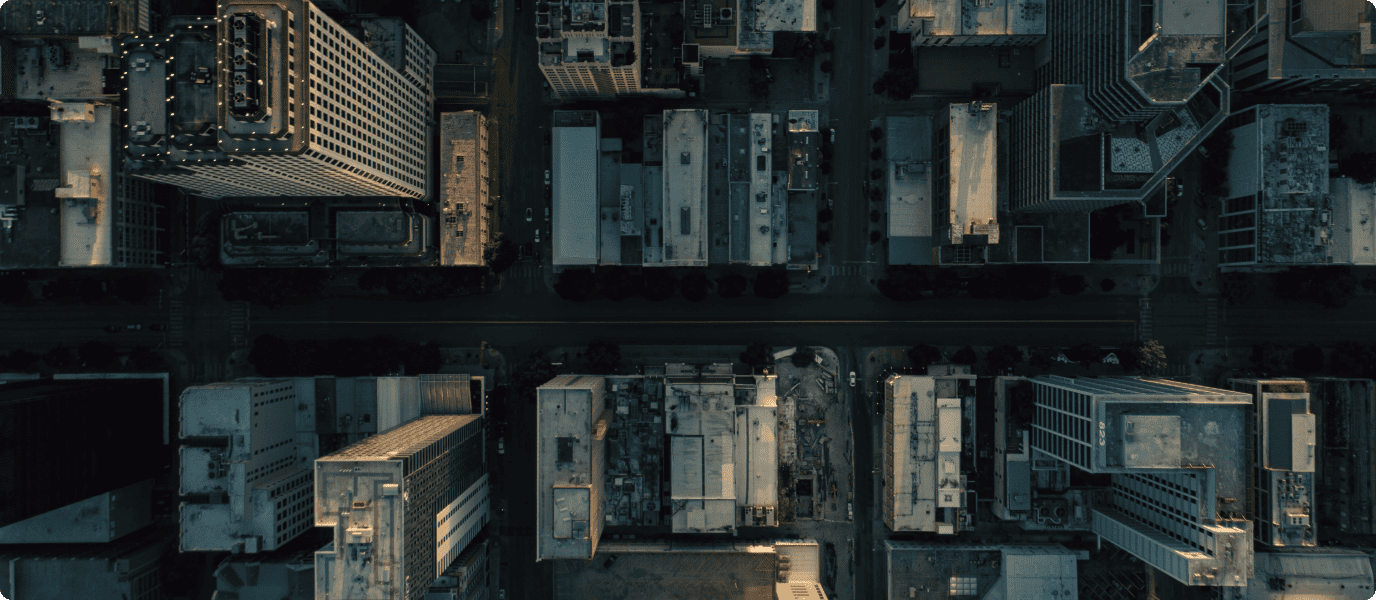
(852, 379)
(546, 176)
(529, 213)
(501, 445)
(537, 236)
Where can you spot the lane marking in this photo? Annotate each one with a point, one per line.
(733, 322)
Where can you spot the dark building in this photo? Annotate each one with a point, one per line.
(66, 441)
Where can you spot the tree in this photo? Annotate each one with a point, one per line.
(1270, 357)
(14, 288)
(1331, 287)
(1042, 358)
(1086, 354)
(424, 358)
(879, 22)
(1071, 285)
(876, 133)
(875, 215)
(96, 355)
(823, 237)
(878, 44)
(1153, 357)
(59, 358)
(825, 215)
(1353, 359)
(803, 356)
(500, 255)
(1030, 282)
(1108, 284)
(923, 355)
(575, 284)
(757, 62)
(1003, 359)
(603, 356)
(658, 284)
(876, 153)
(271, 286)
(1308, 358)
(825, 67)
(757, 355)
(270, 355)
(828, 45)
(91, 290)
(694, 286)
(425, 284)
(617, 283)
(732, 285)
(480, 10)
(806, 48)
(1360, 166)
(675, 26)
(900, 83)
(771, 284)
(1237, 288)
(904, 283)
(143, 359)
(132, 289)
(877, 174)
(20, 360)
(965, 356)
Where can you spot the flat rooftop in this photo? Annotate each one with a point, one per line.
(463, 188)
(575, 147)
(1296, 210)
(973, 177)
(940, 572)
(683, 228)
(62, 70)
(569, 457)
(979, 17)
(1188, 46)
(683, 575)
(29, 160)
(73, 17)
(908, 145)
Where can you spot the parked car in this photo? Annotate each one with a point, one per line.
(537, 236)
(113, 328)
(501, 445)
(546, 214)
(833, 134)
(529, 212)
(135, 326)
(852, 379)
(547, 177)
(1204, 225)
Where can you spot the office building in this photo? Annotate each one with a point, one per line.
(306, 232)
(1317, 573)
(129, 568)
(1282, 433)
(466, 208)
(276, 99)
(1346, 482)
(284, 574)
(922, 481)
(1302, 46)
(575, 182)
(966, 186)
(40, 19)
(908, 150)
(745, 570)
(247, 446)
(1125, 99)
(1278, 210)
(571, 427)
(1179, 486)
(403, 505)
(682, 228)
(81, 453)
(467, 578)
(938, 571)
(741, 28)
(758, 216)
(590, 50)
(959, 23)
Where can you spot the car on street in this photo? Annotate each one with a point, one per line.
(852, 379)
(501, 445)
(537, 236)
(546, 176)
(546, 214)
(113, 328)
(546, 138)
(135, 326)
(833, 134)
(529, 212)
(1204, 225)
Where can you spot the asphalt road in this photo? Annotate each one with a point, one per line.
(852, 33)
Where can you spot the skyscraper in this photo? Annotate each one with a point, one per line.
(590, 49)
(1178, 470)
(276, 98)
(403, 504)
(70, 441)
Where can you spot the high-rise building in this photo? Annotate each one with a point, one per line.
(1281, 433)
(590, 49)
(79, 457)
(1346, 481)
(1126, 95)
(243, 467)
(129, 568)
(923, 485)
(1179, 474)
(957, 23)
(403, 505)
(467, 578)
(465, 191)
(1299, 46)
(273, 99)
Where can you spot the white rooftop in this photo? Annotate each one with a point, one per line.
(981, 17)
(88, 184)
(574, 189)
(683, 228)
(784, 15)
(974, 156)
(571, 427)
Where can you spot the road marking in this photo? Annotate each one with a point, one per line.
(734, 322)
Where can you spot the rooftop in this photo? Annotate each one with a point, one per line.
(580, 31)
(1296, 211)
(1185, 48)
(1314, 574)
(804, 146)
(683, 228)
(62, 69)
(575, 145)
(29, 173)
(908, 145)
(974, 156)
(782, 15)
(24, 18)
(939, 572)
(922, 433)
(571, 443)
(977, 17)
(464, 188)
(747, 572)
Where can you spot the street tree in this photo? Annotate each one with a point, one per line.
(1003, 359)
(694, 286)
(965, 356)
(923, 355)
(771, 283)
(603, 356)
(575, 284)
(1153, 357)
(757, 355)
(803, 356)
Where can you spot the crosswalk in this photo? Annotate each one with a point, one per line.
(849, 269)
(1212, 313)
(1175, 267)
(1144, 318)
(176, 320)
(524, 271)
(238, 324)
